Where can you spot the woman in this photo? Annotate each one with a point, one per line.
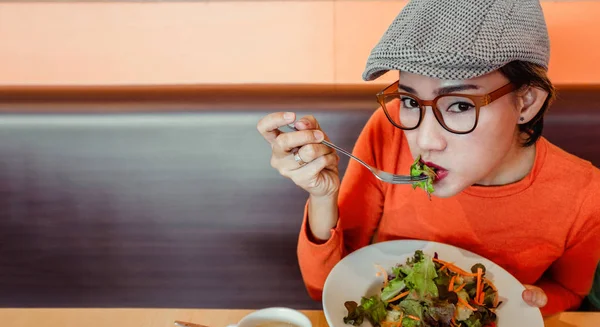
(503, 191)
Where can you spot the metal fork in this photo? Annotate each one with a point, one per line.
(380, 174)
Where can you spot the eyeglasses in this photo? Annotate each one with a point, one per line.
(457, 113)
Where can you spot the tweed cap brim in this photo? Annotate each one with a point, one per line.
(461, 39)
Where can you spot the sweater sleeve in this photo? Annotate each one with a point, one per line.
(360, 205)
(570, 278)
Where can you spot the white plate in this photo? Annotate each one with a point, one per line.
(355, 276)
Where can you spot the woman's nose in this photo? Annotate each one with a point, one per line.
(430, 134)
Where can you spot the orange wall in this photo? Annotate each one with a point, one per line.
(235, 42)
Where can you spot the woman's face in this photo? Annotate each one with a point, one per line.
(480, 157)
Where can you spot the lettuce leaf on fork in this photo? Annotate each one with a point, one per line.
(417, 169)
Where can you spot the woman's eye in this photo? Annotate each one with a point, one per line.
(409, 103)
(459, 107)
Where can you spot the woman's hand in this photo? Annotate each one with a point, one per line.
(317, 170)
(534, 296)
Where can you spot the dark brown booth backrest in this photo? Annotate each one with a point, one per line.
(172, 209)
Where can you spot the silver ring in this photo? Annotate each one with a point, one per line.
(298, 159)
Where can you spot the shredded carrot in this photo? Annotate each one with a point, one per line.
(454, 268)
(463, 302)
(455, 315)
(460, 271)
(440, 261)
(495, 290)
(481, 298)
(453, 321)
(460, 287)
(487, 281)
(397, 323)
(401, 295)
(491, 284)
(444, 266)
(401, 317)
(413, 317)
(384, 274)
(451, 284)
(395, 307)
(394, 323)
(479, 288)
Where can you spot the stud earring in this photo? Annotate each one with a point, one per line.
(522, 119)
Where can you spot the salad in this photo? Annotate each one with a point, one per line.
(418, 168)
(428, 292)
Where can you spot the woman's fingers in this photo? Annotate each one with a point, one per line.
(534, 296)
(268, 125)
(285, 142)
(300, 155)
(308, 175)
(310, 152)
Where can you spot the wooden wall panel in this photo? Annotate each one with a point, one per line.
(233, 42)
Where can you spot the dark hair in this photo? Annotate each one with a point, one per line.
(523, 74)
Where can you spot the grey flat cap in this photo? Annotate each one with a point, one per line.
(461, 39)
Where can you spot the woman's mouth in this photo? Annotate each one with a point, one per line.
(440, 172)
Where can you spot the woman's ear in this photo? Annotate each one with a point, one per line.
(530, 100)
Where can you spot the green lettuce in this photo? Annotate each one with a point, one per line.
(401, 271)
(472, 322)
(412, 307)
(418, 169)
(407, 322)
(422, 277)
(404, 270)
(439, 313)
(393, 288)
(372, 309)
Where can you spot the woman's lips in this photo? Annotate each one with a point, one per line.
(440, 174)
(440, 171)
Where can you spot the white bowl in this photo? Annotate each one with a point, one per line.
(285, 316)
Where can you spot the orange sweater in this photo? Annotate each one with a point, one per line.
(544, 229)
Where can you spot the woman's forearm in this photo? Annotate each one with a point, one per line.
(322, 216)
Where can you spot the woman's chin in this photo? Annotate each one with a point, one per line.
(443, 194)
(445, 189)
